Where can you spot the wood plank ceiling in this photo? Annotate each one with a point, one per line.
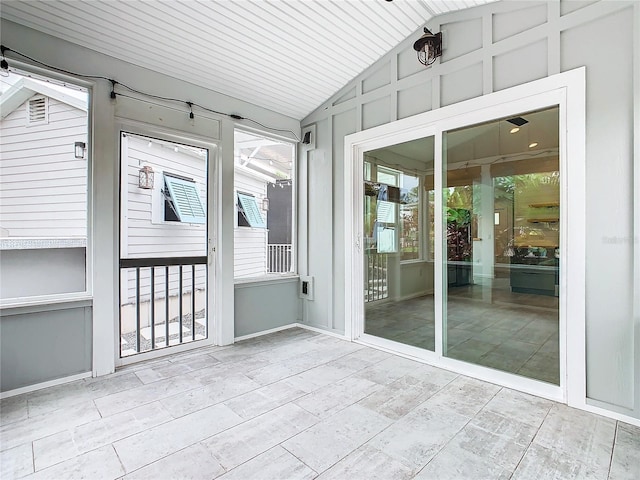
(285, 55)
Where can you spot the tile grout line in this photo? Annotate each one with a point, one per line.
(119, 459)
(459, 430)
(531, 442)
(33, 458)
(296, 457)
(613, 446)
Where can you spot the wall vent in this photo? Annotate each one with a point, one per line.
(37, 110)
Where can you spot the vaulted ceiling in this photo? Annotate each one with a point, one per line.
(285, 55)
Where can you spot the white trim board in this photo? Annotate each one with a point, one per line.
(566, 90)
(47, 384)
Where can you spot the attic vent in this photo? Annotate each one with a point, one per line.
(37, 110)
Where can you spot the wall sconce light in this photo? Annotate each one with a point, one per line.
(429, 47)
(265, 204)
(145, 177)
(79, 148)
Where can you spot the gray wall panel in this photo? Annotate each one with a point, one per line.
(260, 307)
(408, 62)
(520, 66)
(414, 100)
(343, 124)
(511, 23)
(461, 85)
(43, 346)
(377, 79)
(376, 113)
(610, 355)
(459, 38)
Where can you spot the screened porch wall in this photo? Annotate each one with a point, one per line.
(487, 49)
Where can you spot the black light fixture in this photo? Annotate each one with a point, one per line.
(429, 47)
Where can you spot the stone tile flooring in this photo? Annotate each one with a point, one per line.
(301, 405)
(493, 327)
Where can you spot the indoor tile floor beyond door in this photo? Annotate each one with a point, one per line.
(301, 405)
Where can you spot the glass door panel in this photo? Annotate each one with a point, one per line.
(163, 244)
(398, 246)
(501, 211)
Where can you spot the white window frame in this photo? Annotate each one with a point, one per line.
(273, 277)
(566, 90)
(85, 296)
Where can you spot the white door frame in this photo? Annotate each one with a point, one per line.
(213, 215)
(567, 90)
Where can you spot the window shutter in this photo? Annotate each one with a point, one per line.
(37, 110)
(250, 210)
(186, 200)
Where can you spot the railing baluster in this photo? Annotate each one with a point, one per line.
(153, 309)
(138, 309)
(193, 302)
(140, 266)
(166, 306)
(180, 302)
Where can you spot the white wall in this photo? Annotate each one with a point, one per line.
(43, 187)
(487, 49)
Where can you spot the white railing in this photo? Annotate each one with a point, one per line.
(376, 277)
(279, 257)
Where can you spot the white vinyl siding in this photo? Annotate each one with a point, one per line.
(141, 237)
(43, 187)
(250, 244)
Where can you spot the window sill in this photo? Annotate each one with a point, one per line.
(266, 280)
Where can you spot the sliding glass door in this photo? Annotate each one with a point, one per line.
(481, 284)
(398, 256)
(501, 241)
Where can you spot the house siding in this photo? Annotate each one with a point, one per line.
(144, 233)
(250, 244)
(43, 187)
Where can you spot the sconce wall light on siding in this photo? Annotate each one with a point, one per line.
(145, 177)
(79, 149)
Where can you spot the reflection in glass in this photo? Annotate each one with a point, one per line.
(398, 254)
(501, 208)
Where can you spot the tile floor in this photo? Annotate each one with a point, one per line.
(301, 405)
(512, 332)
